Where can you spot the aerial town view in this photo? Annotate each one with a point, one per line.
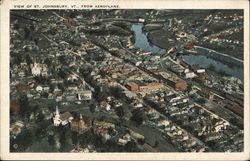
(123, 80)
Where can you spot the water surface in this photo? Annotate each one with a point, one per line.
(141, 41)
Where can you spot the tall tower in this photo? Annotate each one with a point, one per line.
(57, 111)
(57, 119)
(81, 125)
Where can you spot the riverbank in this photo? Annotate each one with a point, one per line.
(216, 66)
(140, 40)
(161, 38)
(225, 59)
(151, 27)
(222, 63)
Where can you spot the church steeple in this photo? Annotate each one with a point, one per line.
(56, 119)
(80, 116)
(57, 111)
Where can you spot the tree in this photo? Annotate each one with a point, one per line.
(74, 137)
(24, 140)
(156, 144)
(127, 110)
(62, 141)
(130, 146)
(36, 40)
(62, 59)
(34, 109)
(211, 143)
(102, 73)
(38, 132)
(17, 58)
(72, 15)
(111, 131)
(138, 116)
(201, 100)
(179, 122)
(189, 128)
(233, 120)
(117, 92)
(26, 33)
(92, 108)
(61, 87)
(47, 61)
(28, 59)
(16, 26)
(40, 117)
(214, 121)
(44, 94)
(141, 141)
(62, 73)
(40, 79)
(190, 118)
(189, 87)
(120, 111)
(51, 140)
(51, 88)
(24, 105)
(99, 95)
(51, 107)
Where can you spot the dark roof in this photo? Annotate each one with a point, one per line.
(87, 120)
(65, 116)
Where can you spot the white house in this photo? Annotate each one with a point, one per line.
(201, 71)
(105, 105)
(190, 75)
(138, 63)
(36, 69)
(84, 95)
(163, 122)
(39, 88)
(141, 20)
(186, 70)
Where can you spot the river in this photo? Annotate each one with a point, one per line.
(206, 62)
(141, 41)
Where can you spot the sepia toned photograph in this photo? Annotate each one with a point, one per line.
(126, 80)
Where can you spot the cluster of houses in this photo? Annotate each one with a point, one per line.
(83, 123)
(16, 128)
(131, 135)
(176, 105)
(104, 129)
(54, 87)
(175, 134)
(136, 83)
(84, 149)
(203, 123)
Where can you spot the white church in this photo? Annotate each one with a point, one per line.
(63, 119)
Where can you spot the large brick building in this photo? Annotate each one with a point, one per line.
(133, 86)
(141, 87)
(177, 83)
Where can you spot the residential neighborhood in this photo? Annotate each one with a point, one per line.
(123, 80)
